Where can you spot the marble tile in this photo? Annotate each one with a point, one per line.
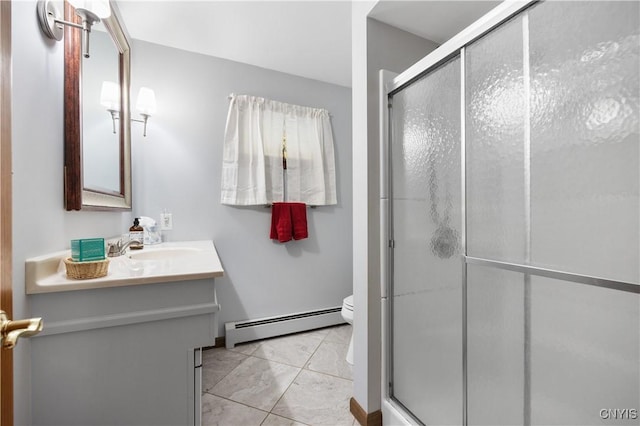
(273, 420)
(330, 358)
(340, 334)
(217, 363)
(220, 411)
(295, 349)
(256, 382)
(246, 348)
(317, 399)
(319, 332)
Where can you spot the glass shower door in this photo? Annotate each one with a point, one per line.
(585, 210)
(426, 296)
(514, 295)
(553, 164)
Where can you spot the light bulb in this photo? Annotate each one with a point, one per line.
(100, 8)
(110, 96)
(146, 103)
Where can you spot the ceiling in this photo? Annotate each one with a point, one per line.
(311, 39)
(434, 20)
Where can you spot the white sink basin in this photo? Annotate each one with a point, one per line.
(166, 262)
(162, 253)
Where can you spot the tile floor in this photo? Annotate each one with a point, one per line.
(300, 379)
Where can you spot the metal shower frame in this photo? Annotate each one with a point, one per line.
(451, 49)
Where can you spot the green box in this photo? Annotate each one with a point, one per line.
(88, 249)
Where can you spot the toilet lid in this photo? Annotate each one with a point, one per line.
(348, 301)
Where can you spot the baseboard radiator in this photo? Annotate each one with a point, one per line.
(246, 331)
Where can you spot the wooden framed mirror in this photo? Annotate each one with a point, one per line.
(97, 159)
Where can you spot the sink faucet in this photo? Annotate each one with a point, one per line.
(118, 248)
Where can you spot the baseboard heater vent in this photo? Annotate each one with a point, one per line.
(246, 331)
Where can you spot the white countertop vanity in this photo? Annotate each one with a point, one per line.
(166, 262)
(124, 348)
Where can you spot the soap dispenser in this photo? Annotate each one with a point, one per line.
(136, 232)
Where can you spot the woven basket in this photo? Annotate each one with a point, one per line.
(86, 270)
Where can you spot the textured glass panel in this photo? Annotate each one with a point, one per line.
(426, 181)
(584, 353)
(495, 145)
(427, 357)
(427, 282)
(585, 157)
(495, 346)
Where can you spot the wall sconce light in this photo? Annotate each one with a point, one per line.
(110, 99)
(146, 106)
(91, 11)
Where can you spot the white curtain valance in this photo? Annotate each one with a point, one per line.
(252, 169)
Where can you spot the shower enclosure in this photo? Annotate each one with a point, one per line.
(513, 224)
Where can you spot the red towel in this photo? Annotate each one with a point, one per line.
(299, 220)
(288, 220)
(281, 222)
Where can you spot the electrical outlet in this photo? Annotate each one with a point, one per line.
(166, 221)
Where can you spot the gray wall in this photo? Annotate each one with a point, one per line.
(375, 46)
(178, 167)
(40, 223)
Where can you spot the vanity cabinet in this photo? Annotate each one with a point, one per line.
(122, 355)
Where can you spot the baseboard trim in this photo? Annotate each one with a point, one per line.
(279, 325)
(364, 418)
(219, 342)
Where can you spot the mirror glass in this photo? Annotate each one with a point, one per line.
(100, 138)
(97, 147)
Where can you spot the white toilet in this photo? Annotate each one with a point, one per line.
(347, 314)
